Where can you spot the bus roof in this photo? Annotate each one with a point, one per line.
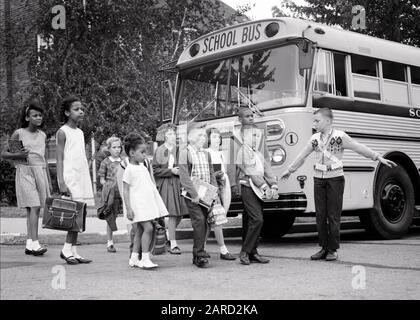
(259, 34)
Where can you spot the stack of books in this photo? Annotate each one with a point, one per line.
(206, 192)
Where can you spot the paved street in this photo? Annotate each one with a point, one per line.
(392, 270)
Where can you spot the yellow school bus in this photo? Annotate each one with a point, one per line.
(284, 68)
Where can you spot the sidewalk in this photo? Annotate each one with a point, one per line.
(13, 230)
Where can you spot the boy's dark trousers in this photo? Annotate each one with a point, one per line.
(198, 216)
(328, 206)
(252, 220)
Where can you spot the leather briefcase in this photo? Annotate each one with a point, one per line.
(64, 214)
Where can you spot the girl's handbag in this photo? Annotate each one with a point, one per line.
(217, 214)
(64, 214)
(158, 244)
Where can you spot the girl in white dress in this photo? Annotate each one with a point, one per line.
(141, 199)
(73, 169)
(219, 166)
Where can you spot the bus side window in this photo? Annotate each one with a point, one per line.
(323, 80)
(365, 77)
(340, 74)
(415, 84)
(395, 82)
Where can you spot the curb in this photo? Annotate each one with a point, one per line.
(181, 234)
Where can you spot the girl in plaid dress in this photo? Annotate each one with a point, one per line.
(32, 176)
(107, 173)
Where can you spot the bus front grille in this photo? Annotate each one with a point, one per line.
(293, 201)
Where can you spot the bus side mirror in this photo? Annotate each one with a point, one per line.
(306, 53)
(167, 100)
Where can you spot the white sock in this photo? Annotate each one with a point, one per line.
(145, 256)
(110, 243)
(29, 244)
(67, 249)
(167, 234)
(223, 250)
(173, 244)
(35, 245)
(74, 251)
(134, 256)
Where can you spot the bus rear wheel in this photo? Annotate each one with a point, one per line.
(276, 225)
(393, 210)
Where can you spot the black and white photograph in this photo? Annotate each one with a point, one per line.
(210, 155)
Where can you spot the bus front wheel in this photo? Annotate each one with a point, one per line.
(276, 225)
(393, 210)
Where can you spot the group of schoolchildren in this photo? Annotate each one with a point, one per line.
(142, 190)
(150, 191)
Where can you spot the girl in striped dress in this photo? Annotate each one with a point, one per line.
(32, 175)
(72, 169)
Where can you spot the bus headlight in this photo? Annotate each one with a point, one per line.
(278, 156)
(275, 129)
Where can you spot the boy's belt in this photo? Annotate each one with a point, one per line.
(328, 167)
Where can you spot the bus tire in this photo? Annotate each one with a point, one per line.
(392, 214)
(276, 225)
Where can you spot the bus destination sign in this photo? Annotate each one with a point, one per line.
(232, 38)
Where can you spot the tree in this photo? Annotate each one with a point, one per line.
(109, 54)
(395, 20)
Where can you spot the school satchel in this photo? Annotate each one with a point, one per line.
(158, 245)
(64, 214)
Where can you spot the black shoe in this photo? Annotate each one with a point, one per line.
(321, 254)
(206, 255)
(332, 255)
(175, 250)
(27, 251)
(200, 262)
(83, 260)
(244, 258)
(257, 258)
(39, 252)
(111, 248)
(70, 259)
(227, 256)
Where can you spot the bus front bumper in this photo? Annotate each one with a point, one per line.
(293, 201)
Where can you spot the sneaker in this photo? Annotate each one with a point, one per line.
(332, 255)
(147, 264)
(321, 254)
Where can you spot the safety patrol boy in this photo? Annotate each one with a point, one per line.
(328, 145)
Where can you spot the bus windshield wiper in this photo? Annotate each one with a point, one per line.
(209, 104)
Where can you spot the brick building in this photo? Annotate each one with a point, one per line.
(19, 36)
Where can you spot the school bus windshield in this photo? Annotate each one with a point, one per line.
(261, 80)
